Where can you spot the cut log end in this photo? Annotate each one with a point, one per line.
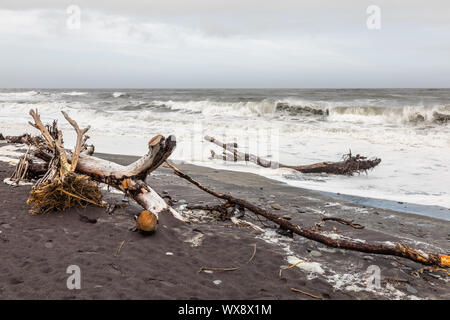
(146, 221)
(155, 140)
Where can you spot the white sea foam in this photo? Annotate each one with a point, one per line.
(214, 108)
(75, 93)
(118, 94)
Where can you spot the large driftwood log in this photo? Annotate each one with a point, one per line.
(397, 249)
(129, 179)
(350, 164)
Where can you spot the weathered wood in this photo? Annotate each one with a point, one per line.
(349, 165)
(130, 179)
(80, 143)
(141, 168)
(24, 138)
(397, 249)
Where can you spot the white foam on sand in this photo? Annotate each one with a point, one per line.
(356, 281)
(312, 268)
(273, 238)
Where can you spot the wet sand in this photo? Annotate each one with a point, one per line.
(36, 250)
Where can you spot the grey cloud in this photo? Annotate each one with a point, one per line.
(197, 43)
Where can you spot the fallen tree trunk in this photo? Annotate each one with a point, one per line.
(130, 179)
(397, 249)
(70, 178)
(350, 165)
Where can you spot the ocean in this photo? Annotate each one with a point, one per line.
(409, 129)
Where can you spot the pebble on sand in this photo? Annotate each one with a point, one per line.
(217, 282)
(315, 253)
(276, 206)
(411, 289)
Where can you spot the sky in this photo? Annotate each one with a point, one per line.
(224, 44)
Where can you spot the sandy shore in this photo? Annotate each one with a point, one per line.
(36, 250)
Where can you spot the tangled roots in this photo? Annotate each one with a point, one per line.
(356, 164)
(63, 193)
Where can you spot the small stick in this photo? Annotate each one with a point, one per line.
(253, 254)
(293, 265)
(343, 221)
(118, 249)
(433, 269)
(217, 269)
(307, 293)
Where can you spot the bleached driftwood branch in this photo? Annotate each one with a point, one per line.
(131, 179)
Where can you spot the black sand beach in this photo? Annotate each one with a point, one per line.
(36, 250)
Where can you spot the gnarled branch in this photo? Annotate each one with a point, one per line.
(79, 146)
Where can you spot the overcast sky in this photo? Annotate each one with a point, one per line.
(226, 43)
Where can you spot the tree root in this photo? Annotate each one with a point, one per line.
(65, 192)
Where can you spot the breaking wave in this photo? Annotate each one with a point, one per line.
(120, 95)
(371, 114)
(212, 108)
(75, 93)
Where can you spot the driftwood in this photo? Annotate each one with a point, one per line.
(350, 164)
(25, 138)
(397, 249)
(131, 179)
(48, 160)
(60, 187)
